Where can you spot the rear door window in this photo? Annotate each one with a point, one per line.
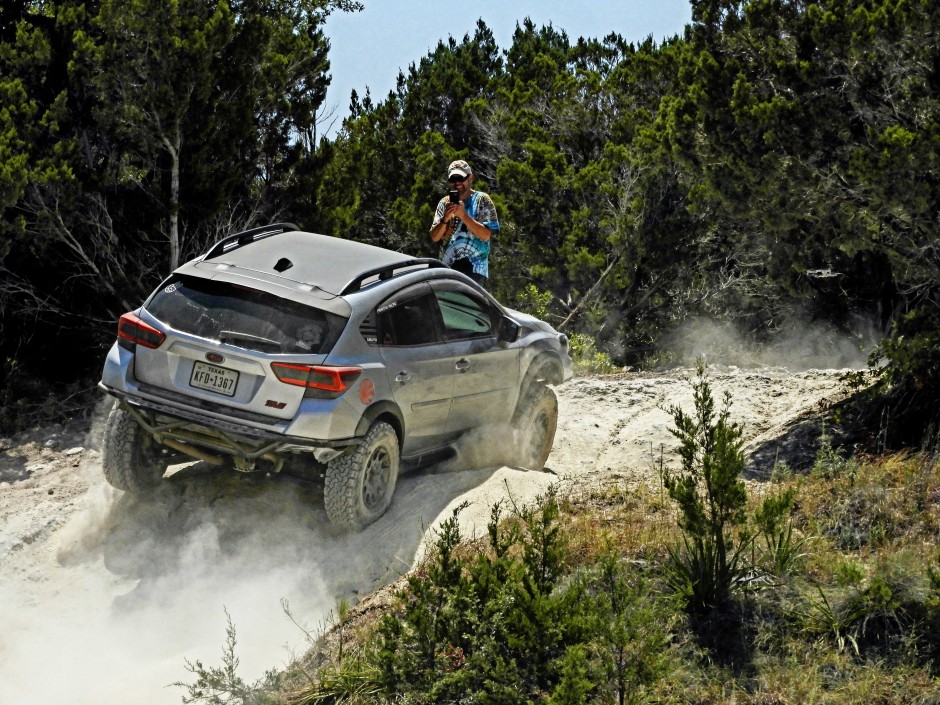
(408, 318)
(245, 317)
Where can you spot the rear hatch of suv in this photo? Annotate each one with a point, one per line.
(235, 346)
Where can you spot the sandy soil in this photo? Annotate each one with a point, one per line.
(105, 596)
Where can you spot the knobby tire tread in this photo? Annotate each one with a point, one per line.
(537, 400)
(126, 463)
(342, 491)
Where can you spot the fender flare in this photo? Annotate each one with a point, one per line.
(546, 368)
(387, 411)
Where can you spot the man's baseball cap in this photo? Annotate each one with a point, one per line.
(460, 168)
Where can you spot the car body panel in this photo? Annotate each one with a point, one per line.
(486, 384)
(421, 379)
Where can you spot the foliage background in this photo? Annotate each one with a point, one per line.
(774, 167)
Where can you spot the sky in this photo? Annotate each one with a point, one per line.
(368, 48)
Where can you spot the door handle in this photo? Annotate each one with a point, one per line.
(402, 377)
(462, 365)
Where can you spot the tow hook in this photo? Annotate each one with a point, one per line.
(325, 455)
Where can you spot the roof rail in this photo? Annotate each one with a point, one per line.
(388, 271)
(232, 242)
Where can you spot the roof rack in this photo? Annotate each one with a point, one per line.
(232, 242)
(388, 271)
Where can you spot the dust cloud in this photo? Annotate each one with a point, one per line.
(798, 346)
(106, 598)
(146, 586)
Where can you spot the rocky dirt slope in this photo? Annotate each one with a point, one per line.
(105, 596)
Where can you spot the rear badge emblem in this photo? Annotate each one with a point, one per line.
(215, 357)
(275, 404)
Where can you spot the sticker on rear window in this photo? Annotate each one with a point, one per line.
(171, 288)
(310, 336)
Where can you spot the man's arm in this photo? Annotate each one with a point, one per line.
(486, 223)
(439, 230)
(441, 224)
(473, 225)
(456, 210)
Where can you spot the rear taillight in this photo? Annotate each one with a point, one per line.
(318, 381)
(133, 330)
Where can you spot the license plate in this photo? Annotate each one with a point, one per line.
(213, 378)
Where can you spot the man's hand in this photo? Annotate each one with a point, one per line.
(455, 210)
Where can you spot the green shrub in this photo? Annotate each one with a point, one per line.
(782, 552)
(828, 463)
(711, 563)
(631, 638)
(907, 404)
(488, 623)
(535, 302)
(505, 620)
(587, 359)
(217, 685)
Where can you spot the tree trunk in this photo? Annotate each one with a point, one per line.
(173, 148)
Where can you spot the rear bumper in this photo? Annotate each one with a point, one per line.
(317, 424)
(165, 420)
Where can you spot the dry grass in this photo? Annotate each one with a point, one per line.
(873, 522)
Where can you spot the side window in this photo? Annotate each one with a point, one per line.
(408, 321)
(464, 316)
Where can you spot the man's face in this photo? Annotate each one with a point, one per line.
(462, 184)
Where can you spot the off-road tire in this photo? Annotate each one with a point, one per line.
(360, 483)
(534, 425)
(131, 459)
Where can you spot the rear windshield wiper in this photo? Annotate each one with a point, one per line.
(251, 342)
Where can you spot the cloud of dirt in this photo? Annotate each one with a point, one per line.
(106, 607)
(105, 640)
(799, 346)
(128, 590)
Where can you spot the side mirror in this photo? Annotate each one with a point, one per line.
(508, 330)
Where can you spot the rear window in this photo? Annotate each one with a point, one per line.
(245, 317)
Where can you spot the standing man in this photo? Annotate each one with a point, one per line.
(464, 223)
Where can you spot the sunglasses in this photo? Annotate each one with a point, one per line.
(457, 179)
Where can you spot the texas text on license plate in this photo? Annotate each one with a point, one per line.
(213, 378)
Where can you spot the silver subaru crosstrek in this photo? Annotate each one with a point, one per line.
(279, 346)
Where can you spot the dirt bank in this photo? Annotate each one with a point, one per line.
(105, 595)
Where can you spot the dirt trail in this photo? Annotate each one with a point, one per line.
(105, 595)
